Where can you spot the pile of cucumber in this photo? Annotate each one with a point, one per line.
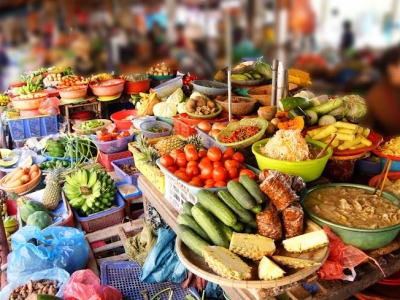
(314, 111)
(212, 220)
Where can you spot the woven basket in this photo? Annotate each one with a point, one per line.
(263, 93)
(206, 117)
(259, 122)
(238, 109)
(145, 126)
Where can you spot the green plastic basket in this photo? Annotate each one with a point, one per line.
(259, 122)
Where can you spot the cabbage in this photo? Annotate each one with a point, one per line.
(306, 94)
(164, 110)
(357, 108)
(263, 69)
(182, 108)
(341, 111)
(176, 97)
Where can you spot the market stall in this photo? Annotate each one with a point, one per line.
(247, 181)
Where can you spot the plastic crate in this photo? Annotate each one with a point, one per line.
(106, 159)
(182, 128)
(208, 141)
(105, 218)
(32, 127)
(125, 276)
(118, 164)
(113, 146)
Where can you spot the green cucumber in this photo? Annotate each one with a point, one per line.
(187, 208)
(326, 120)
(208, 223)
(238, 227)
(291, 102)
(326, 107)
(188, 220)
(241, 194)
(312, 116)
(247, 229)
(243, 214)
(215, 206)
(191, 239)
(253, 188)
(256, 209)
(226, 230)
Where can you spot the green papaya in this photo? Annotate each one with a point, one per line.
(40, 219)
(28, 207)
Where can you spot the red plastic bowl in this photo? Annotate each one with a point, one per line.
(111, 87)
(136, 87)
(118, 117)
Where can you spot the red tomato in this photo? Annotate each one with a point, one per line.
(208, 186)
(219, 174)
(214, 153)
(249, 173)
(230, 163)
(207, 172)
(172, 169)
(195, 183)
(175, 152)
(189, 146)
(192, 164)
(180, 160)
(183, 176)
(228, 153)
(232, 172)
(202, 153)
(217, 164)
(198, 179)
(192, 171)
(238, 157)
(209, 181)
(204, 162)
(219, 184)
(183, 169)
(167, 160)
(191, 154)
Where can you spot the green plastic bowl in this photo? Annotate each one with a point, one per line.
(362, 238)
(308, 170)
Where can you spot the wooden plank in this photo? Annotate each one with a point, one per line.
(108, 232)
(112, 258)
(299, 293)
(107, 247)
(92, 264)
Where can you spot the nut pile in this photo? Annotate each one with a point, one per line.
(43, 286)
(129, 169)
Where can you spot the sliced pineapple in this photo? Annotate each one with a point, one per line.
(295, 263)
(226, 263)
(253, 246)
(268, 270)
(306, 242)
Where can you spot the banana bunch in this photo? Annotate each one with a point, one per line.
(10, 224)
(4, 99)
(30, 87)
(251, 75)
(88, 125)
(90, 191)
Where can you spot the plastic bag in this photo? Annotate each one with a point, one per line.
(54, 274)
(85, 285)
(162, 263)
(50, 106)
(56, 246)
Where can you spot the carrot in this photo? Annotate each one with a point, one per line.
(16, 175)
(26, 170)
(11, 174)
(33, 175)
(34, 168)
(24, 179)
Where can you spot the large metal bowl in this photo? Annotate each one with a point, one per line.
(362, 238)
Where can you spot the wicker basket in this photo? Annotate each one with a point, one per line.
(238, 109)
(206, 117)
(259, 122)
(263, 93)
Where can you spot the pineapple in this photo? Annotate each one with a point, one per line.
(225, 263)
(252, 246)
(165, 146)
(142, 143)
(195, 140)
(306, 242)
(52, 191)
(294, 263)
(150, 155)
(268, 270)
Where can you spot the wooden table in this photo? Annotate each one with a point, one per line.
(367, 273)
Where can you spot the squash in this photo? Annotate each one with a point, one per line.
(296, 124)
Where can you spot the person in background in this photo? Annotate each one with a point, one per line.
(347, 39)
(383, 100)
(196, 59)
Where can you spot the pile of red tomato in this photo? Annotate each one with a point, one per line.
(210, 168)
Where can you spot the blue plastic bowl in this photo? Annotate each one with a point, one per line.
(395, 167)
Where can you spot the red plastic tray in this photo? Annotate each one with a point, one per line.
(223, 117)
(374, 137)
(377, 152)
(391, 175)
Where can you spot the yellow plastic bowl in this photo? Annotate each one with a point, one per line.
(309, 170)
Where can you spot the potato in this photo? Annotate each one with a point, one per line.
(210, 103)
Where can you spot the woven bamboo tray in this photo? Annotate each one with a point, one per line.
(197, 265)
(263, 93)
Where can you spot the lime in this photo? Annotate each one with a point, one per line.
(65, 164)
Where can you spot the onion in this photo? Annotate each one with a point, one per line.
(214, 132)
(218, 126)
(205, 126)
